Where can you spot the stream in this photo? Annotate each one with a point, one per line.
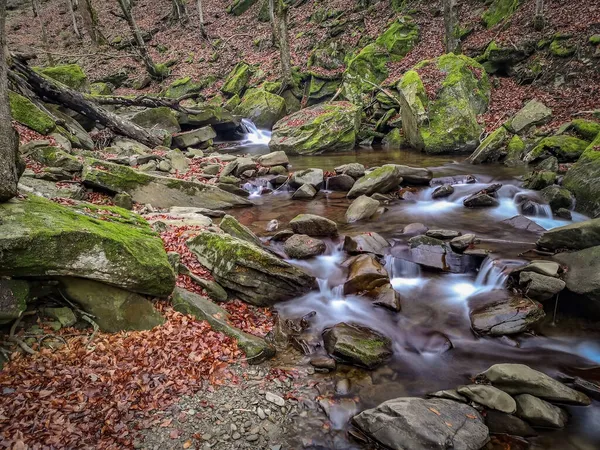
(435, 305)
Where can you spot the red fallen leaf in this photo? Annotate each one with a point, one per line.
(174, 434)
(166, 423)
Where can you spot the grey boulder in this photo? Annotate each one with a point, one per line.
(489, 396)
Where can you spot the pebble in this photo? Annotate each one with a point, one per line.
(275, 399)
(236, 436)
(261, 414)
(252, 438)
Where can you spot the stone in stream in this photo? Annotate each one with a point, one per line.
(186, 302)
(557, 197)
(273, 159)
(301, 246)
(342, 183)
(461, 243)
(444, 190)
(366, 243)
(583, 274)
(575, 236)
(114, 309)
(244, 164)
(365, 273)
(304, 192)
(540, 413)
(314, 177)
(524, 223)
(361, 208)
(480, 200)
(449, 394)
(542, 267)
(386, 297)
(357, 345)
(489, 396)
(41, 238)
(540, 287)
(355, 170)
(382, 180)
(427, 251)
(313, 225)
(502, 423)
(282, 236)
(161, 192)
(521, 379)
(415, 229)
(414, 175)
(253, 274)
(261, 107)
(194, 138)
(323, 362)
(511, 316)
(540, 180)
(423, 424)
(231, 226)
(443, 234)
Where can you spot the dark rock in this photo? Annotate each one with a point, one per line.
(386, 297)
(507, 317)
(313, 225)
(539, 412)
(502, 423)
(443, 234)
(524, 223)
(341, 183)
(366, 243)
(443, 191)
(480, 200)
(461, 243)
(357, 345)
(490, 397)
(575, 236)
(540, 287)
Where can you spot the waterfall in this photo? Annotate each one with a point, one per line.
(401, 268)
(254, 135)
(493, 274)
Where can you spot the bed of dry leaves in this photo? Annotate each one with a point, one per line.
(100, 395)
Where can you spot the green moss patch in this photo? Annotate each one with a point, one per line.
(26, 113)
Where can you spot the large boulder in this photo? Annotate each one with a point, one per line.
(161, 192)
(301, 246)
(563, 147)
(327, 127)
(261, 107)
(540, 287)
(583, 276)
(253, 274)
(366, 243)
(111, 245)
(71, 75)
(414, 175)
(446, 123)
(313, 225)
(238, 78)
(533, 113)
(361, 208)
(314, 177)
(357, 345)
(26, 113)
(492, 148)
(114, 309)
(575, 236)
(521, 379)
(186, 302)
(55, 157)
(583, 180)
(557, 197)
(365, 273)
(424, 424)
(369, 65)
(201, 136)
(163, 118)
(382, 180)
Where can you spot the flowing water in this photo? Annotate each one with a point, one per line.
(435, 305)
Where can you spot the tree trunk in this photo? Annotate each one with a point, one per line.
(451, 26)
(141, 45)
(284, 44)
(50, 91)
(179, 12)
(35, 5)
(201, 19)
(9, 142)
(73, 18)
(538, 20)
(274, 37)
(90, 22)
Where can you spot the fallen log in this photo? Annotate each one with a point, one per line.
(53, 92)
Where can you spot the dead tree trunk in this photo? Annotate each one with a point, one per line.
(274, 37)
(50, 91)
(73, 18)
(151, 68)
(284, 44)
(201, 19)
(90, 22)
(451, 26)
(35, 5)
(9, 142)
(538, 20)
(179, 12)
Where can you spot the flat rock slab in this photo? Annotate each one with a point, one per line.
(489, 396)
(576, 236)
(424, 424)
(507, 317)
(539, 412)
(366, 243)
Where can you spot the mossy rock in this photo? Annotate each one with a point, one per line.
(586, 129)
(327, 127)
(369, 65)
(447, 122)
(108, 244)
(515, 150)
(71, 75)
(55, 157)
(492, 149)
(232, 103)
(564, 147)
(499, 11)
(394, 139)
(238, 79)
(239, 7)
(26, 113)
(540, 180)
(321, 90)
(261, 107)
(101, 88)
(329, 56)
(594, 39)
(72, 129)
(562, 47)
(14, 295)
(263, 14)
(557, 197)
(357, 345)
(583, 180)
(162, 118)
(183, 86)
(114, 309)
(231, 226)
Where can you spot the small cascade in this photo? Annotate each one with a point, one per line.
(494, 273)
(330, 293)
(257, 187)
(403, 274)
(254, 135)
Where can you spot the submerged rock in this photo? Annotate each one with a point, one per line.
(254, 275)
(357, 345)
(255, 348)
(521, 379)
(327, 127)
(489, 396)
(41, 238)
(313, 225)
(301, 246)
(382, 180)
(507, 317)
(361, 208)
(422, 424)
(540, 413)
(575, 236)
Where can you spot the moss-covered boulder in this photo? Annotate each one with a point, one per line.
(71, 75)
(585, 129)
(159, 191)
(26, 113)
(557, 197)
(71, 128)
(357, 345)
(219, 118)
(394, 139)
(55, 157)
(498, 11)
(183, 86)
(583, 180)
(114, 309)
(492, 149)
(382, 180)
(441, 101)
(238, 79)
(163, 118)
(563, 46)
(261, 107)
(101, 88)
(321, 89)
(540, 179)
(564, 147)
(321, 128)
(231, 226)
(239, 7)
(256, 349)
(14, 295)
(251, 273)
(41, 238)
(369, 65)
